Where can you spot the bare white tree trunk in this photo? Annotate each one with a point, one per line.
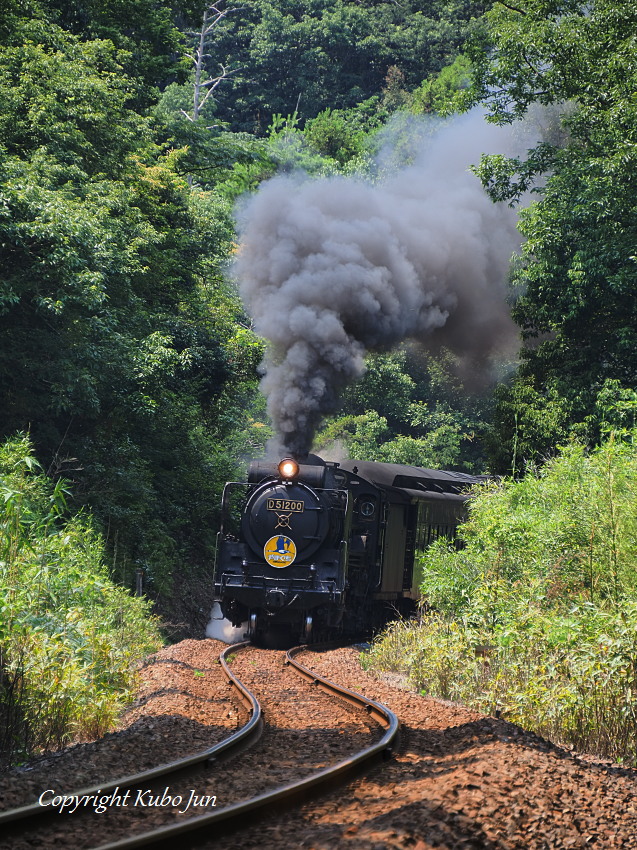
(205, 84)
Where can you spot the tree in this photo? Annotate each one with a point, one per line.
(114, 349)
(144, 33)
(203, 89)
(306, 56)
(410, 408)
(578, 273)
(442, 93)
(185, 120)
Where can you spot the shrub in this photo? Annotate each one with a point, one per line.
(536, 616)
(69, 637)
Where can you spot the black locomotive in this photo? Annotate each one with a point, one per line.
(321, 549)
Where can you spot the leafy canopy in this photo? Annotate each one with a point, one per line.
(116, 342)
(306, 56)
(578, 273)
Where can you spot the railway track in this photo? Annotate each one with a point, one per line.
(346, 739)
(15, 821)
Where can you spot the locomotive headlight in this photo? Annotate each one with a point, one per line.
(288, 468)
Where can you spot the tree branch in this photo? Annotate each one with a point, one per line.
(213, 83)
(512, 8)
(212, 15)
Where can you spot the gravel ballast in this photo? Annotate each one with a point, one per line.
(457, 779)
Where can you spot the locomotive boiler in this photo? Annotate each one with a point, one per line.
(318, 549)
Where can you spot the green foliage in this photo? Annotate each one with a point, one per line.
(570, 679)
(527, 426)
(307, 56)
(289, 150)
(555, 52)
(570, 527)
(616, 410)
(118, 339)
(69, 637)
(336, 141)
(442, 93)
(536, 615)
(386, 387)
(143, 31)
(204, 152)
(124, 354)
(368, 437)
(410, 408)
(333, 133)
(577, 274)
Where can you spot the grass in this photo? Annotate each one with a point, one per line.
(69, 637)
(536, 617)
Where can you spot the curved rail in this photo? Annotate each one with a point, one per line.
(244, 737)
(234, 816)
(380, 713)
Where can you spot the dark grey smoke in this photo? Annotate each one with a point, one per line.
(332, 268)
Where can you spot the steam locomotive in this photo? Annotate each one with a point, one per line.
(321, 549)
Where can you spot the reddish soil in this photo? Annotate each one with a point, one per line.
(460, 780)
(457, 779)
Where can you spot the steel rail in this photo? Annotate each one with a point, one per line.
(212, 825)
(244, 737)
(377, 711)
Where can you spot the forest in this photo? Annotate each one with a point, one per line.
(137, 140)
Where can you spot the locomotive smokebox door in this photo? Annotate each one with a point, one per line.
(285, 511)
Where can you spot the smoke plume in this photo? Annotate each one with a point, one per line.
(332, 268)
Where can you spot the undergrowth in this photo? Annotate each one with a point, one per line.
(69, 637)
(536, 617)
